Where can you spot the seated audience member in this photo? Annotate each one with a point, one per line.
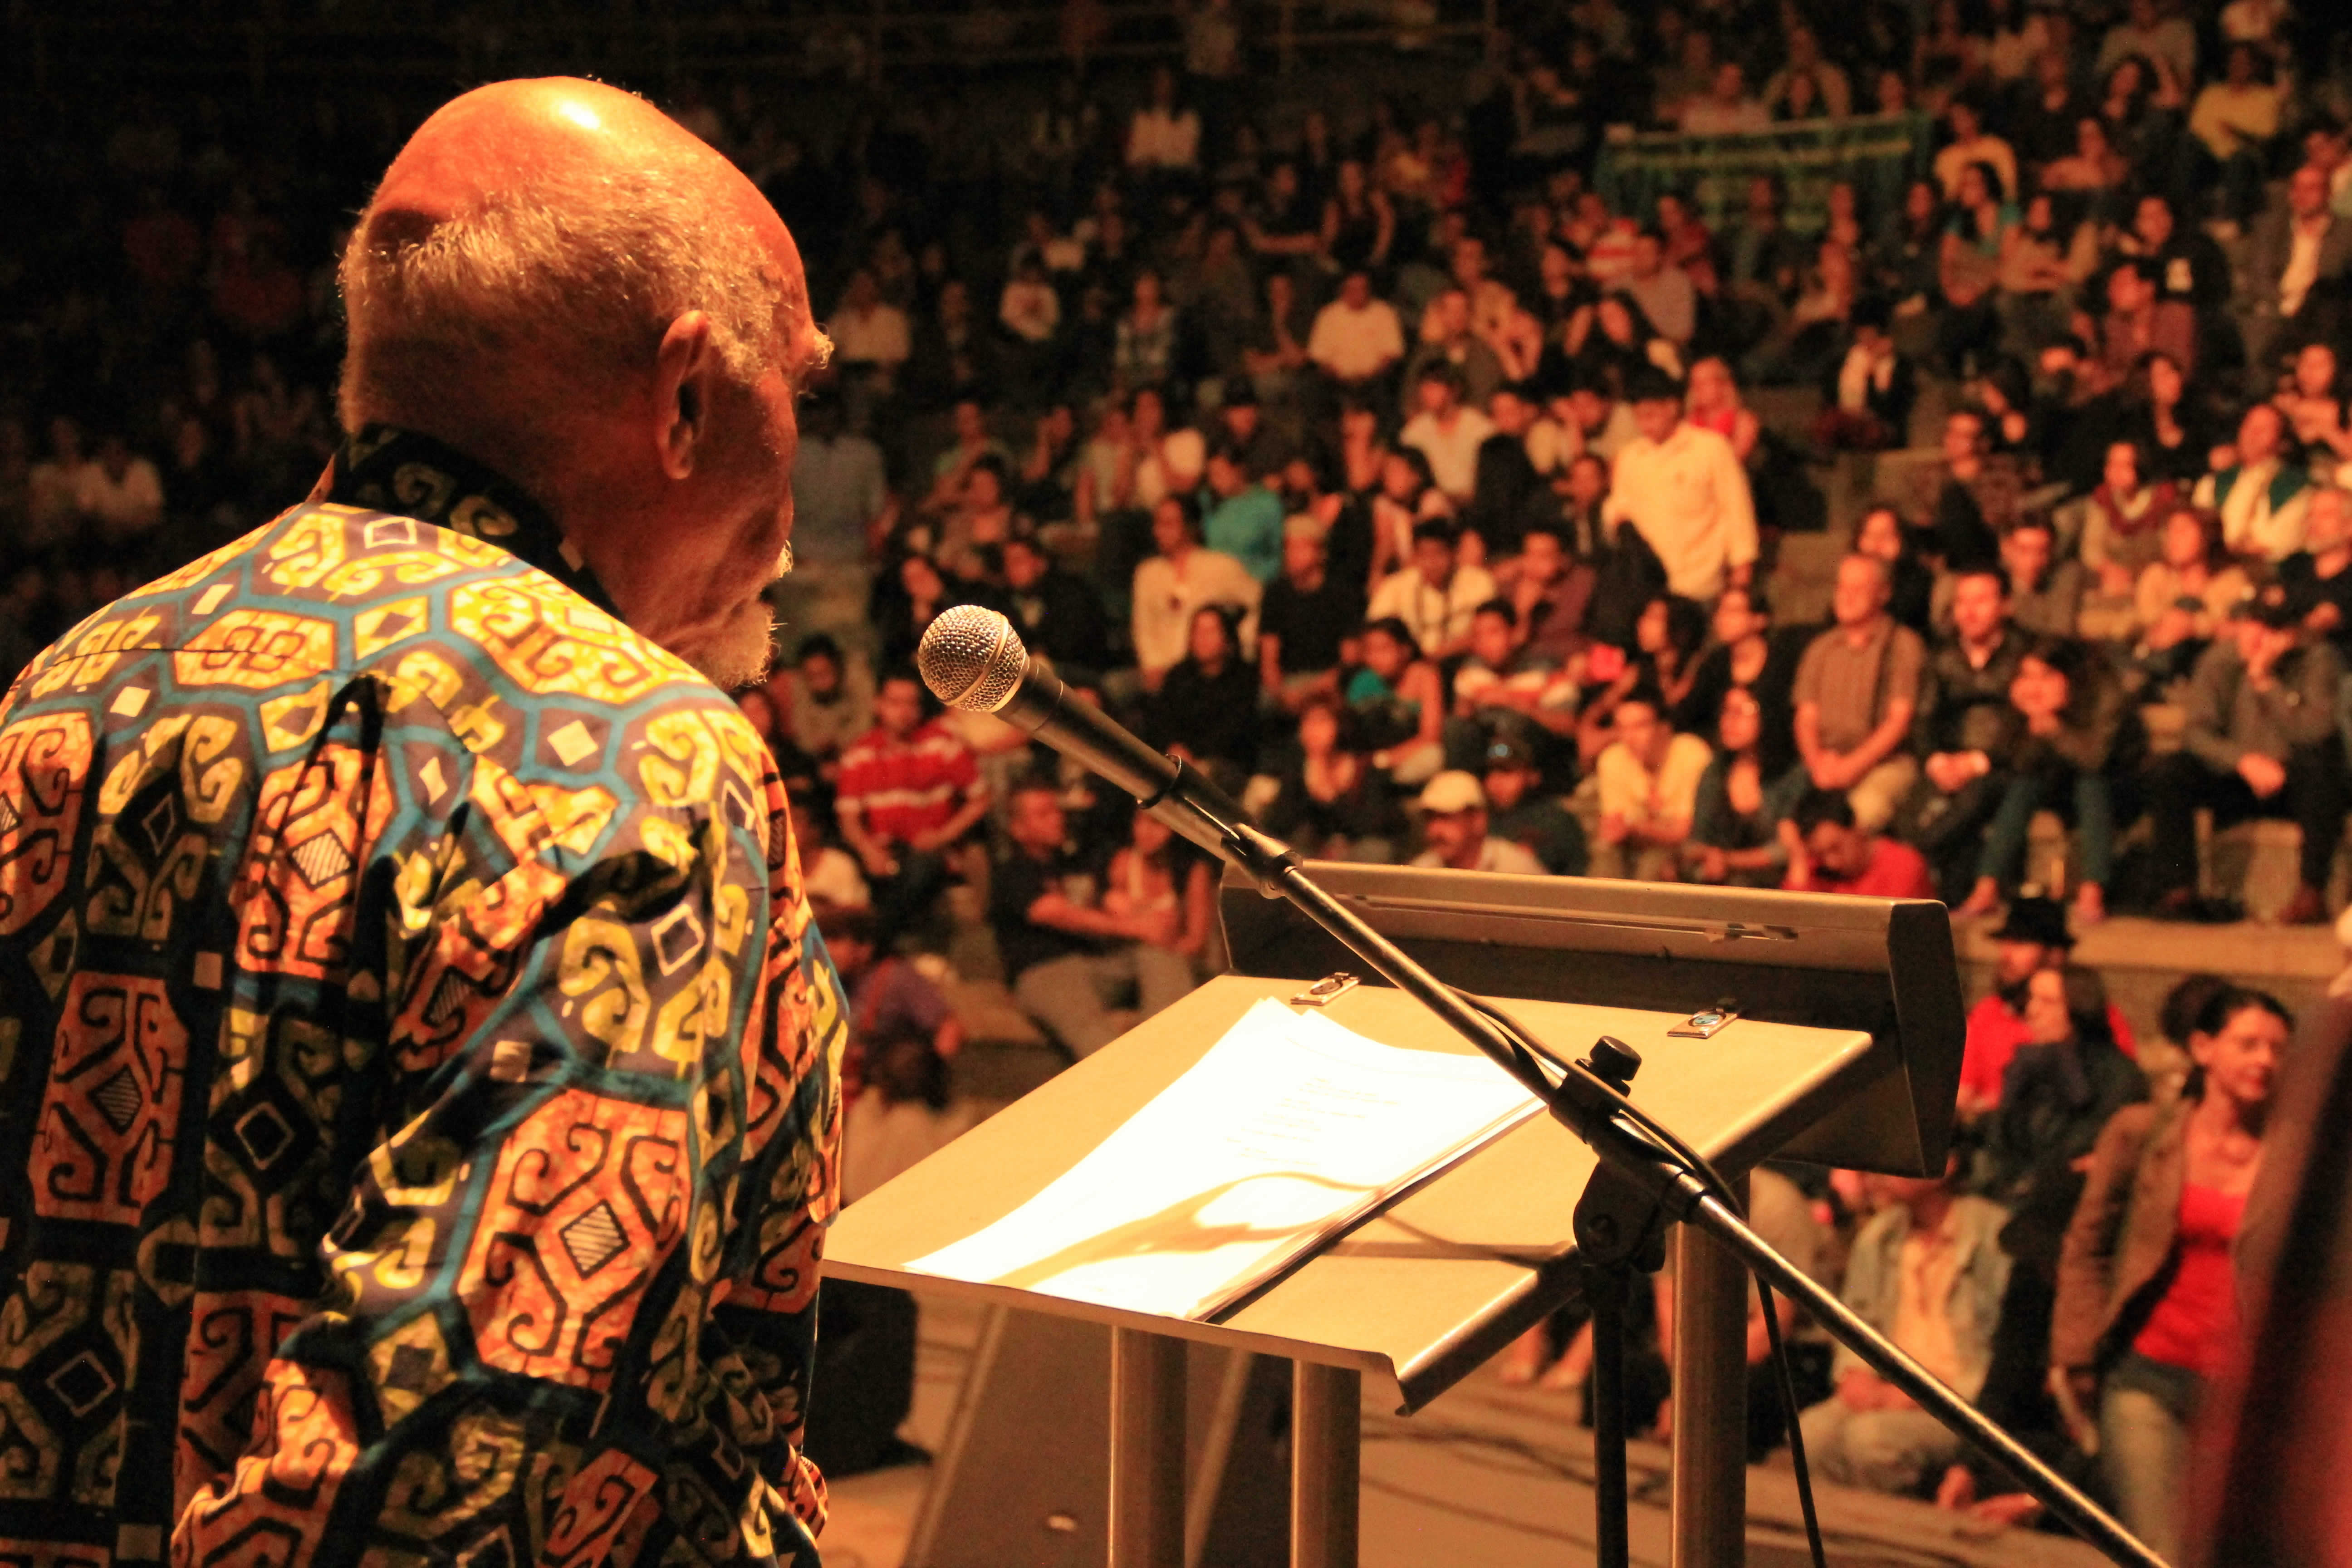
(2032, 938)
(2046, 594)
(1071, 961)
(1828, 852)
(1977, 493)
(1518, 809)
(1626, 572)
(1058, 612)
(1910, 582)
(1857, 688)
(2073, 714)
(1305, 613)
(2261, 742)
(1205, 711)
(2147, 1302)
(1332, 804)
(1549, 591)
(2262, 496)
(1736, 813)
(1598, 419)
(1648, 779)
(1746, 651)
(1499, 689)
(2186, 597)
(1407, 498)
(1683, 486)
(1157, 878)
(894, 1011)
(1181, 580)
(2314, 401)
(1357, 339)
(1928, 1271)
(1507, 494)
(831, 701)
(830, 875)
(1437, 594)
(2298, 258)
(2318, 577)
(2140, 321)
(1399, 700)
(1965, 732)
(1868, 391)
(1245, 520)
(1667, 638)
(2120, 535)
(1446, 431)
(907, 792)
(1452, 811)
(2062, 1082)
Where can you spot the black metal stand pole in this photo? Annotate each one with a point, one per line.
(1605, 1286)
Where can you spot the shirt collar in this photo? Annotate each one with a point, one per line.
(385, 468)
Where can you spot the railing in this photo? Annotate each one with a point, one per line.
(264, 47)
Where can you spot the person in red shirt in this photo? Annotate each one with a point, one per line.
(2033, 937)
(909, 791)
(1828, 854)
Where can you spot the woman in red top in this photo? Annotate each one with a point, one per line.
(2146, 1304)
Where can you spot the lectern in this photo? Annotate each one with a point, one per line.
(1846, 1050)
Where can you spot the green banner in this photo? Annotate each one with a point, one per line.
(1881, 154)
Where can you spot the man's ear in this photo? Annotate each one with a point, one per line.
(684, 370)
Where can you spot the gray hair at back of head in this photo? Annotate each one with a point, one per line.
(567, 283)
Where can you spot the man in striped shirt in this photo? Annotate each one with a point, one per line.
(908, 792)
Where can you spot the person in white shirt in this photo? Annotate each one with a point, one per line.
(866, 330)
(1357, 337)
(1452, 807)
(1161, 135)
(1436, 597)
(1684, 489)
(1648, 779)
(121, 492)
(2261, 499)
(1182, 579)
(1445, 432)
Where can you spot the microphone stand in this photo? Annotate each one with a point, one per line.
(1639, 1187)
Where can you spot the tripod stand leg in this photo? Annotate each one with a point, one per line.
(1605, 1289)
(1710, 1371)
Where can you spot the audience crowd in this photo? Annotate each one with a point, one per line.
(1367, 451)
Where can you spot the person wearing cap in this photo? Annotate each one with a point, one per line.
(1682, 487)
(1453, 809)
(2032, 938)
(1304, 614)
(1648, 779)
(1518, 809)
(2261, 741)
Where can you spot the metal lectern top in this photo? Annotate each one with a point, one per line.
(1423, 1293)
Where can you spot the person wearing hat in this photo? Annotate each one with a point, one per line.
(1453, 809)
(2261, 741)
(1518, 810)
(2032, 938)
(1684, 488)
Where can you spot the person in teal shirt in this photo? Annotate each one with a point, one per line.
(1242, 515)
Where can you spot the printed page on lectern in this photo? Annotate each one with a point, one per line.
(1289, 1130)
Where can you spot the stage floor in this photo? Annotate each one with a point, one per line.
(1487, 1477)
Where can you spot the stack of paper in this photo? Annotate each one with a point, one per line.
(1290, 1129)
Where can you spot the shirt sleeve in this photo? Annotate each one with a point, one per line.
(570, 1299)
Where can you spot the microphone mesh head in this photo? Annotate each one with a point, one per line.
(971, 659)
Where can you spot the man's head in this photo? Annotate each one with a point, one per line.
(1175, 526)
(1227, 477)
(1657, 403)
(1826, 824)
(1511, 774)
(1979, 604)
(1439, 389)
(1453, 818)
(899, 704)
(2327, 522)
(1356, 290)
(1860, 595)
(1740, 613)
(1588, 480)
(1303, 546)
(2152, 220)
(2033, 936)
(1541, 554)
(2026, 548)
(1024, 563)
(2131, 287)
(1638, 723)
(556, 278)
(849, 938)
(2260, 434)
(1240, 414)
(2306, 190)
(1034, 819)
(2265, 626)
(1494, 629)
(818, 660)
(1435, 549)
(1964, 434)
(1511, 410)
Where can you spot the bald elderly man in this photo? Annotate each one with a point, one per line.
(417, 1065)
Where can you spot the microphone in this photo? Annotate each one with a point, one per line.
(972, 660)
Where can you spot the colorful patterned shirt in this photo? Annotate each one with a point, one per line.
(420, 1062)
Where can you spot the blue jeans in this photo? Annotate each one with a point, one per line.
(2089, 797)
(2145, 1416)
